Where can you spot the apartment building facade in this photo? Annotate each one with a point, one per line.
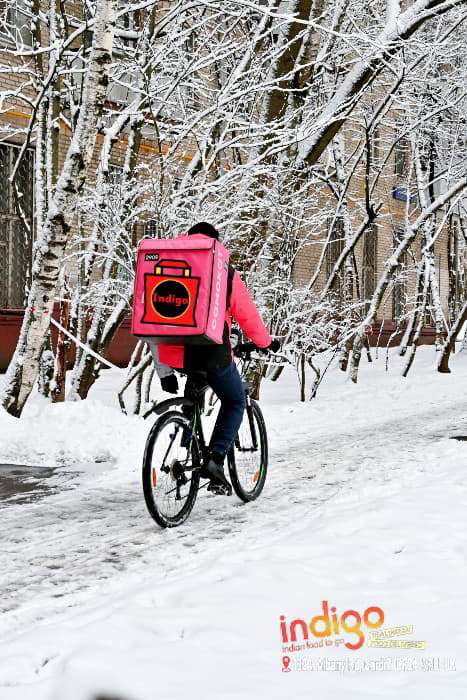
(17, 217)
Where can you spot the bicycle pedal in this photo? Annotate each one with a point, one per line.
(220, 489)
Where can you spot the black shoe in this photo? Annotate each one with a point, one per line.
(218, 483)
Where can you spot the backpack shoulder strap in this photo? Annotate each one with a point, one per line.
(230, 276)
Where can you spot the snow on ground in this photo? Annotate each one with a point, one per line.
(364, 506)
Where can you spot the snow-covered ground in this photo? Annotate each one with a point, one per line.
(364, 506)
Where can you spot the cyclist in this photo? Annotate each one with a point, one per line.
(215, 366)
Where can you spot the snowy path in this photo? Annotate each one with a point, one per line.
(61, 548)
(94, 548)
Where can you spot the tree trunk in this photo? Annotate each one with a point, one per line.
(443, 362)
(58, 391)
(46, 369)
(104, 324)
(316, 380)
(52, 240)
(302, 377)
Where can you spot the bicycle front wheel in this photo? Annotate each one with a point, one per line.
(171, 470)
(248, 459)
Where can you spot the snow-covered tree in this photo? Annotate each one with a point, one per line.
(262, 117)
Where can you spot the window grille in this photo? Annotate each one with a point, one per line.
(16, 226)
(15, 22)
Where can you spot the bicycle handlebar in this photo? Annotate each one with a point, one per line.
(244, 349)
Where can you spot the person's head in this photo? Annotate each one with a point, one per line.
(204, 228)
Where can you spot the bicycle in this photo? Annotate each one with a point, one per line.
(176, 448)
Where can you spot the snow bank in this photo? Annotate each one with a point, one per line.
(67, 434)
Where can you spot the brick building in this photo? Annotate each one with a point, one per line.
(17, 227)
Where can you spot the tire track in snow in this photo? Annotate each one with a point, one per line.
(61, 551)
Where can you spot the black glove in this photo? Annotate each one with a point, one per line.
(274, 346)
(170, 384)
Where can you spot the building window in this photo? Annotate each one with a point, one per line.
(455, 268)
(188, 89)
(401, 156)
(375, 147)
(15, 23)
(115, 174)
(126, 29)
(399, 293)
(369, 263)
(16, 226)
(150, 228)
(429, 317)
(333, 251)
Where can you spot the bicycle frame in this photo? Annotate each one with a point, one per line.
(181, 401)
(186, 431)
(251, 422)
(164, 406)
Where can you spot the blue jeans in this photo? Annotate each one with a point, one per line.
(228, 386)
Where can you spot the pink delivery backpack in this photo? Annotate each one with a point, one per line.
(180, 290)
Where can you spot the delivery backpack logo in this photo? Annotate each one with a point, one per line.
(170, 294)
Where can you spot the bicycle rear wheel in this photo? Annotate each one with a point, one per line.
(248, 459)
(170, 470)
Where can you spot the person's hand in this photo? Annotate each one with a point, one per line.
(274, 346)
(170, 384)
